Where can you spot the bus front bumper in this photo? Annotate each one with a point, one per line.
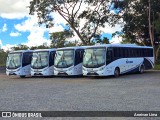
(13, 72)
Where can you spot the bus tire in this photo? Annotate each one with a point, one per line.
(116, 72)
(22, 76)
(141, 69)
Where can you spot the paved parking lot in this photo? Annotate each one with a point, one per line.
(128, 92)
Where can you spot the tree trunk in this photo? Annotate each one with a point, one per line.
(151, 31)
(79, 35)
(150, 26)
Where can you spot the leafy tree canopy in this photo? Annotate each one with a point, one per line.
(20, 47)
(93, 13)
(58, 39)
(135, 19)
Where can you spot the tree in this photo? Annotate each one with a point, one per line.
(73, 43)
(141, 18)
(103, 40)
(3, 58)
(39, 47)
(20, 47)
(58, 39)
(94, 14)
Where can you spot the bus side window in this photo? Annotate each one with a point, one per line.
(81, 54)
(116, 53)
(27, 58)
(150, 53)
(77, 57)
(109, 54)
(52, 55)
(51, 58)
(30, 56)
(121, 52)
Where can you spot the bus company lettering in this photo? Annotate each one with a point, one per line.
(129, 61)
(145, 114)
(26, 114)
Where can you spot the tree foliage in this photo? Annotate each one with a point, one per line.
(142, 21)
(3, 58)
(94, 14)
(58, 39)
(39, 47)
(20, 47)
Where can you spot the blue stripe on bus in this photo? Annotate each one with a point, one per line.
(136, 68)
(150, 61)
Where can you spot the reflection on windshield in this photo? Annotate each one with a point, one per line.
(64, 58)
(39, 60)
(13, 60)
(94, 57)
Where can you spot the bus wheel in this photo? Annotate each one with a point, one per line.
(22, 76)
(141, 70)
(116, 72)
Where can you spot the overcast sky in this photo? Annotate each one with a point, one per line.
(17, 27)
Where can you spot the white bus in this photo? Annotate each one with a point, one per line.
(19, 62)
(42, 63)
(68, 61)
(116, 59)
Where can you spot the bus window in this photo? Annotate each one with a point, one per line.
(125, 52)
(51, 58)
(109, 54)
(27, 57)
(78, 56)
(116, 53)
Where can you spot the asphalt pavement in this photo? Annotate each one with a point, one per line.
(132, 92)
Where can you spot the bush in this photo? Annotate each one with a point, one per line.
(157, 66)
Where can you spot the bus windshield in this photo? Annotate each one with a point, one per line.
(13, 60)
(64, 58)
(40, 60)
(94, 57)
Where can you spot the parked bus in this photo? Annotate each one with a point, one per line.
(68, 61)
(19, 62)
(116, 59)
(42, 63)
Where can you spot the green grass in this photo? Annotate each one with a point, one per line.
(2, 65)
(157, 66)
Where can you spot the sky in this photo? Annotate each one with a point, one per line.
(18, 27)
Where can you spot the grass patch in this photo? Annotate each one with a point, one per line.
(157, 66)
(2, 65)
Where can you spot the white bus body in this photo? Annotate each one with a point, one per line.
(116, 59)
(68, 61)
(42, 63)
(19, 63)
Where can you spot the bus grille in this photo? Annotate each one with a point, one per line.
(92, 74)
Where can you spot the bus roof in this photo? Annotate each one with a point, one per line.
(120, 45)
(74, 47)
(21, 51)
(39, 50)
